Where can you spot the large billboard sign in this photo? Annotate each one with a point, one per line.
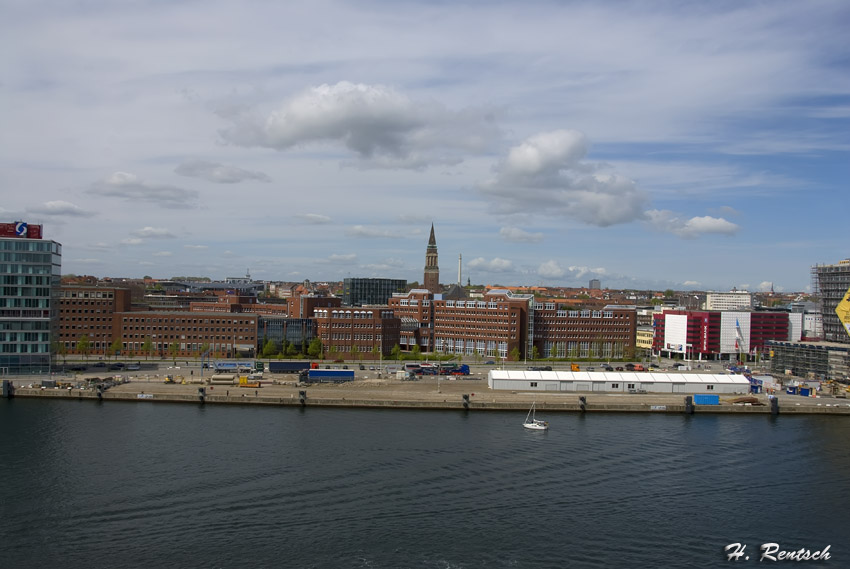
(20, 229)
(843, 311)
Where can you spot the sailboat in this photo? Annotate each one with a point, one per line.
(533, 423)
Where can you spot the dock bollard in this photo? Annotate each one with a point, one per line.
(689, 405)
(202, 393)
(466, 401)
(99, 391)
(302, 397)
(774, 406)
(582, 403)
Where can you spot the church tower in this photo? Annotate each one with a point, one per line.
(432, 271)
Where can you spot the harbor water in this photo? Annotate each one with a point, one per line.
(113, 484)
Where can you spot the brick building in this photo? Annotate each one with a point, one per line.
(560, 332)
(356, 333)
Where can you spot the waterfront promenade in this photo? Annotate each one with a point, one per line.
(424, 394)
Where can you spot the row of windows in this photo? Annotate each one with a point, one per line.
(86, 294)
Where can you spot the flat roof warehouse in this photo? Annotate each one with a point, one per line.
(617, 382)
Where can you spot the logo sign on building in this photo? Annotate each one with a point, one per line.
(20, 229)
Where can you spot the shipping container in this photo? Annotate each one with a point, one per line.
(700, 399)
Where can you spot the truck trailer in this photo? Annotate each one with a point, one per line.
(289, 367)
(327, 375)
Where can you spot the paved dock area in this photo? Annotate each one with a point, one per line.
(427, 393)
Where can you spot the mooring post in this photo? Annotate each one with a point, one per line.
(689, 405)
(582, 403)
(466, 401)
(302, 397)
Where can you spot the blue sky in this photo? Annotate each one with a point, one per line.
(651, 145)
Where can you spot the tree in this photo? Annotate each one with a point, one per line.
(396, 352)
(291, 350)
(58, 349)
(147, 347)
(269, 349)
(416, 351)
(669, 293)
(173, 348)
(353, 351)
(116, 347)
(515, 353)
(376, 351)
(535, 353)
(314, 350)
(84, 345)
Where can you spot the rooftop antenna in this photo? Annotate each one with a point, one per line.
(459, 279)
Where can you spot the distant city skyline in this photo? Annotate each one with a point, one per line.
(698, 147)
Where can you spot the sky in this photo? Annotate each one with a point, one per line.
(650, 145)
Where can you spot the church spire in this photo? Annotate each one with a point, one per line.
(432, 270)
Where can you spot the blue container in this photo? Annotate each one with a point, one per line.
(706, 399)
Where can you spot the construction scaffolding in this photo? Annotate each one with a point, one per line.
(831, 283)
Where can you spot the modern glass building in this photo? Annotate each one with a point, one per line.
(363, 292)
(30, 273)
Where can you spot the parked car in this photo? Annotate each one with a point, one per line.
(77, 368)
(619, 368)
(630, 367)
(489, 362)
(99, 364)
(590, 368)
(608, 368)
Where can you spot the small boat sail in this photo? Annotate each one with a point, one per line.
(533, 423)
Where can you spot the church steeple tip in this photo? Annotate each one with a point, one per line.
(432, 240)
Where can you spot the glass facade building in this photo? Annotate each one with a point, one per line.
(363, 292)
(30, 273)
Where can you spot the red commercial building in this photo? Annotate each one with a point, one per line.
(714, 335)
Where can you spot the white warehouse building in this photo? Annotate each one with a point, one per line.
(617, 382)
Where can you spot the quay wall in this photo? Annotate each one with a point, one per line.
(449, 401)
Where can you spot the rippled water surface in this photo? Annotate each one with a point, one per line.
(116, 484)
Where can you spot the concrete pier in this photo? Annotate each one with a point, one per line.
(391, 394)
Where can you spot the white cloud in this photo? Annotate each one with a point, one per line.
(579, 272)
(550, 269)
(495, 265)
(162, 254)
(691, 283)
(153, 233)
(546, 174)
(517, 235)
(668, 221)
(371, 232)
(60, 207)
(218, 173)
(196, 247)
(314, 218)
(132, 241)
(130, 187)
(382, 127)
(338, 258)
(89, 261)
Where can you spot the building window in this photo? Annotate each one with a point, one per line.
(709, 387)
(533, 384)
(630, 386)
